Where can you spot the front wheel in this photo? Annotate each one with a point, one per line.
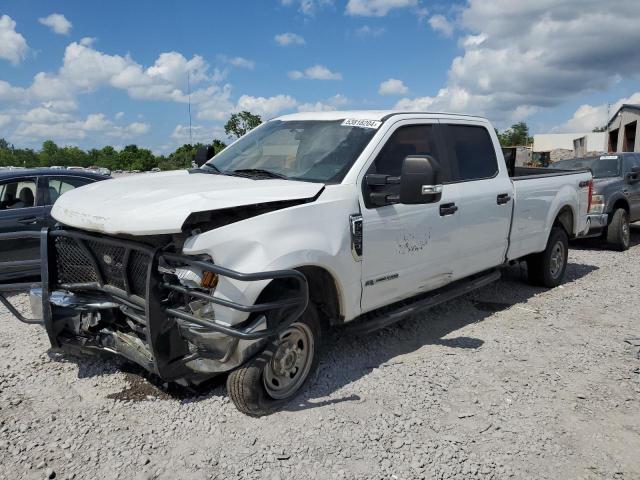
(547, 268)
(277, 375)
(618, 232)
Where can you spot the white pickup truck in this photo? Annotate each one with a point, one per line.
(310, 221)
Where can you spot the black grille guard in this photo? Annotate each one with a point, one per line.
(159, 318)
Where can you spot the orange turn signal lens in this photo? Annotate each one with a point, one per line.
(209, 279)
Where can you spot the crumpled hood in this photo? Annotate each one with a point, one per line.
(149, 204)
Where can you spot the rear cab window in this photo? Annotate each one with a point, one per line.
(471, 152)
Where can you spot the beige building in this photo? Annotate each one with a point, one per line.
(552, 147)
(622, 130)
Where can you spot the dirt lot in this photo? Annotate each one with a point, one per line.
(508, 382)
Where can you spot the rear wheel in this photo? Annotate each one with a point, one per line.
(547, 268)
(618, 232)
(278, 374)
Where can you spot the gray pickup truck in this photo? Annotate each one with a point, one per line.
(615, 199)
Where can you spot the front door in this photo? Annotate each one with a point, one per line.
(407, 249)
(21, 209)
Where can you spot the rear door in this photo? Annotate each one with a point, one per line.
(407, 249)
(21, 209)
(485, 196)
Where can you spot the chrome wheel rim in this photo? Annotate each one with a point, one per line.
(557, 259)
(291, 362)
(626, 231)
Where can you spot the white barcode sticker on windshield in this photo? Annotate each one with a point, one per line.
(354, 122)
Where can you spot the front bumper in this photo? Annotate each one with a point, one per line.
(147, 320)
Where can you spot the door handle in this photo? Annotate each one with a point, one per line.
(28, 220)
(503, 198)
(448, 209)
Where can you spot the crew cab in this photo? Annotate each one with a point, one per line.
(615, 200)
(308, 222)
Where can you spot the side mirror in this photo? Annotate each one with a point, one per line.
(420, 180)
(634, 175)
(203, 155)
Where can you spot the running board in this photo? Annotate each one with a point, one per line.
(372, 321)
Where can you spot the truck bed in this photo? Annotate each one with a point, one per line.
(539, 194)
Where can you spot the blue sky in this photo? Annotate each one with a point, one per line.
(96, 73)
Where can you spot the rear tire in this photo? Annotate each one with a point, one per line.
(280, 371)
(547, 268)
(618, 232)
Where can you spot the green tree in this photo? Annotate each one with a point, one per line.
(600, 129)
(241, 123)
(218, 145)
(517, 135)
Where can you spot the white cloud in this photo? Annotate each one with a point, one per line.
(238, 62)
(440, 24)
(4, 120)
(57, 23)
(288, 38)
(137, 128)
(393, 87)
(316, 72)
(119, 115)
(9, 93)
(214, 102)
(330, 104)
(199, 134)
(376, 8)
(308, 7)
(13, 46)
(53, 120)
(266, 107)
(587, 117)
(367, 31)
(538, 56)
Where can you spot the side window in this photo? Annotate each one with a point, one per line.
(632, 161)
(409, 140)
(473, 155)
(60, 185)
(18, 194)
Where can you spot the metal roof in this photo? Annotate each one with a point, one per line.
(629, 106)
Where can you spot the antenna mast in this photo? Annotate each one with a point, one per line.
(189, 95)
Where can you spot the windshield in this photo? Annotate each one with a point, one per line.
(601, 167)
(310, 150)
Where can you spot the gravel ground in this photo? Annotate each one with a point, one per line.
(507, 382)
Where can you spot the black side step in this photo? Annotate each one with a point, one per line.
(372, 321)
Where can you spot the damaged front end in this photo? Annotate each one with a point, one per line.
(153, 306)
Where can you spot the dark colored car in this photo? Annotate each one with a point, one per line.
(615, 199)
(26, 197)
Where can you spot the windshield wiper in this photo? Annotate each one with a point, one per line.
(212, 167)
(256, 172)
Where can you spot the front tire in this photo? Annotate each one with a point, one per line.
(618, 231)
(547, 268)
(280, 372)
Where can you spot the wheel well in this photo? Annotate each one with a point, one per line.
(323, 292)
(564, 219)
(620, 203)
